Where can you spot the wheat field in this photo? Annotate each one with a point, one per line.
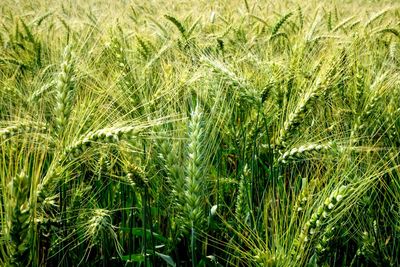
(199, 133)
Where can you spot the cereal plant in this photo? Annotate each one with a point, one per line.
(199, 133)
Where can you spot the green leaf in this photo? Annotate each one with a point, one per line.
(313, 261)
(138, 231)
(166, 258)
(133, 258)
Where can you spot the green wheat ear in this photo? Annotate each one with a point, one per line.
(194, 181)
(21, 224)
(99, 230)
(64, 91)
(280, 23)
(20, 128)
(242, 210)
(177, 24)
(145, 47)
(317, 223)
(304, 151)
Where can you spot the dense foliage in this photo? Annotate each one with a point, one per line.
(199, 133)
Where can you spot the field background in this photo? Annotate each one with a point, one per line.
(199, 133)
